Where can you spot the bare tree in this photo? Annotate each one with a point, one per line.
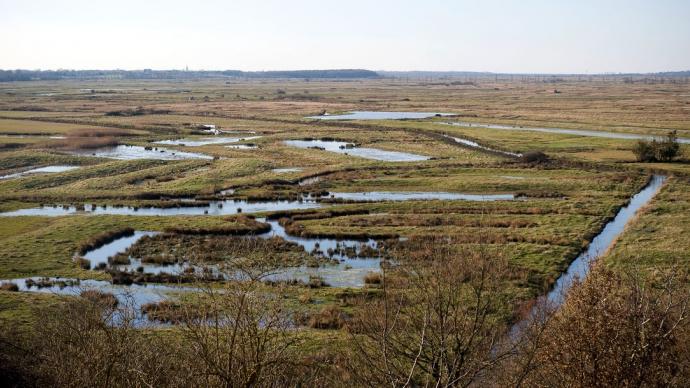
(240, 335)
(438, 323)
(91, 342)
(614, 329)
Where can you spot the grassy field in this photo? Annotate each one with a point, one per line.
(658, 238)
(562, 203)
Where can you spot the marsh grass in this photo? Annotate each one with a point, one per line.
(101, 298)
(87, 138)
(9, 286)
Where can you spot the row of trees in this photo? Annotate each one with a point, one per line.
(436, 323)
(29, 75)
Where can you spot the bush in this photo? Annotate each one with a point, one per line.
(644, 151)
(534, 157)
(657, 151)
(669, 148)
(373, 278)
(615, 329)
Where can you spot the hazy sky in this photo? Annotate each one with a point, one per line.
(500, 36)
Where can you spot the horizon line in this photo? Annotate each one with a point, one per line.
(478, 72)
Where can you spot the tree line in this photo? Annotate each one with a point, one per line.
(31, 75)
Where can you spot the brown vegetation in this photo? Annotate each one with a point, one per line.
(83, 263)
(329, 317)
(614, 330)
(658, 151)
(373, 278)
(101, 298)
(436, 327)
(533, 157)
(165, 311)
(439, 323)
(235, 254)
(88, 139)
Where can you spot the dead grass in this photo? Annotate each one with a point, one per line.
(9, 286)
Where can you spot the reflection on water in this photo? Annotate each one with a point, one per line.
(414, 196)
(474, 144)
(130, 152)
(349, 149)
(214, 208)
(349, 272)
(369, 115)
(40, 170)
(100, 255)
(565, 131)
(286, 170)
(205, 141)
(191, 207)
(133, 296)
(242, 146)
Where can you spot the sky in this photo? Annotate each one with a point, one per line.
(520, 36)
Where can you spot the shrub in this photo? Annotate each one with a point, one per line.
(657, 151)
(644, 151)
(623, 329)
(669, 148)
(534, 157)
(373, 278)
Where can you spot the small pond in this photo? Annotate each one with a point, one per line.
(205, 141)
(142, 293)
(130, 152)
(349, 149)
(474, 144)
